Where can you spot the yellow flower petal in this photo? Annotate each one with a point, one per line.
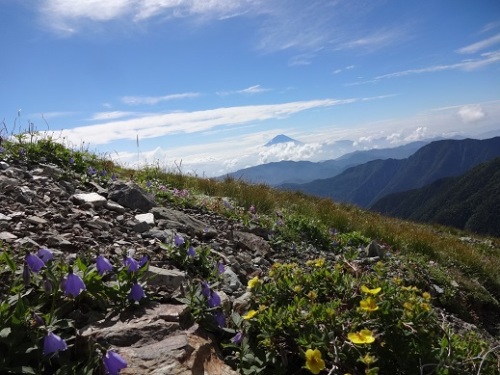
(368, 304)
(367, 290)
(250, 314)
(252, 283)
(365, 336)
(314, 363)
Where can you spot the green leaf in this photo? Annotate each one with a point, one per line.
(81, 266)
(9, 262)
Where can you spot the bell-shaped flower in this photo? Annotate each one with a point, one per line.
(136, 292)
(34, 262)
(220, 318)
(143, 260)
(74, 284)
(45, 255)
(220, 268)
(214, 300)
(238, 338)
(205, 289)
(113, 362)
(53, 343)
(38, 319)
(191, 252)
(131, 264)
(103, 265)
(178, 240)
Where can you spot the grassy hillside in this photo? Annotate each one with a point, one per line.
(365, 184)
(471, 201)
(326, 307)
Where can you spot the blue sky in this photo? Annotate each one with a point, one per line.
(206, 83)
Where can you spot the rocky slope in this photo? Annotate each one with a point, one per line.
(45, 207)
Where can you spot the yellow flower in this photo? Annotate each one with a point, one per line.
(314, 363)
(365, 336)
(374, 291)
(319, 262)
(408, 306)
(312, 295)
(426, 295)
(297, 288)
(250, 314)
(368, 304)
(410, 288)
(425, 306)
(252, 283)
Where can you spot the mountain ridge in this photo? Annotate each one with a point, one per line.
(365, 184)
(469, 202)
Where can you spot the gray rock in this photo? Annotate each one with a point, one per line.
(230, 280)
(93, 198)
(7, 237)
(172, 279)
(374, 250)
(179, 221)
(146, 218)
(253, 243)
(113, 206)
(131, 196)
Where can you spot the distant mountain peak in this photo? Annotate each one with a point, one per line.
(282, 138)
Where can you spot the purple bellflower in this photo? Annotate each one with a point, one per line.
(103, 264)
(45, 255)
(178, 240)
(74, 284)
(205, 289)
(220, 319)
(214, 300)
(136, 292)
(113, 362)
(53, 343)
(35, 264)
(237, 338)
(143, 260)
(220, 268)
(131, 264)
(191, 252)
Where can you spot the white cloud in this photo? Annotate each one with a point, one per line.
(279, 25)
(229, 154)
(152, 100)
(111, 115)
(467, 65)
(288, 151)
(374, 40)
(471, 113)
(158, 125)
(257, 89)
(417, 135)
(481, 45)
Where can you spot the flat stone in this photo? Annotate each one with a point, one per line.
(35, 220)
(4, 217)
(171, 279)
(95, 199)
(148, 218)
(7, 237)
(113, 206)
